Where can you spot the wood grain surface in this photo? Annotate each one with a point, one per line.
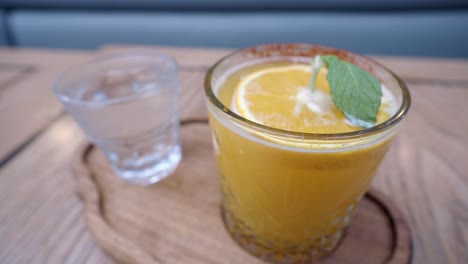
(27, 102)
(425, 171)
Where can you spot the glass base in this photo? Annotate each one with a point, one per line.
(162, 168)
(307, 252)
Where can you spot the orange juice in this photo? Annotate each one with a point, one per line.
(292, 169)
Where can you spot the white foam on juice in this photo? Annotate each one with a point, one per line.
(317, 101)
(388, 103)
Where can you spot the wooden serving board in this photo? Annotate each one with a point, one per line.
(178, 219)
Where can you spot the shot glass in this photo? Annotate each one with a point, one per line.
(128, 106)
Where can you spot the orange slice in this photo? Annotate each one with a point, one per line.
(280, 97)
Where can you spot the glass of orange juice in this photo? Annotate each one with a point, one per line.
(292, 168)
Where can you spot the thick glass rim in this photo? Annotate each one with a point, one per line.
(74, 70)
(391, 122)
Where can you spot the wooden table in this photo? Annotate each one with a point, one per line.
(425, 172)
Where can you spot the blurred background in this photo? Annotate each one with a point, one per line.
(392, 27)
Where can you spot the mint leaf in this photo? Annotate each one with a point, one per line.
(355, 92)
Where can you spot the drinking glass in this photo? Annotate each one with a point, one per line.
(288, 196)
(128, 106)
